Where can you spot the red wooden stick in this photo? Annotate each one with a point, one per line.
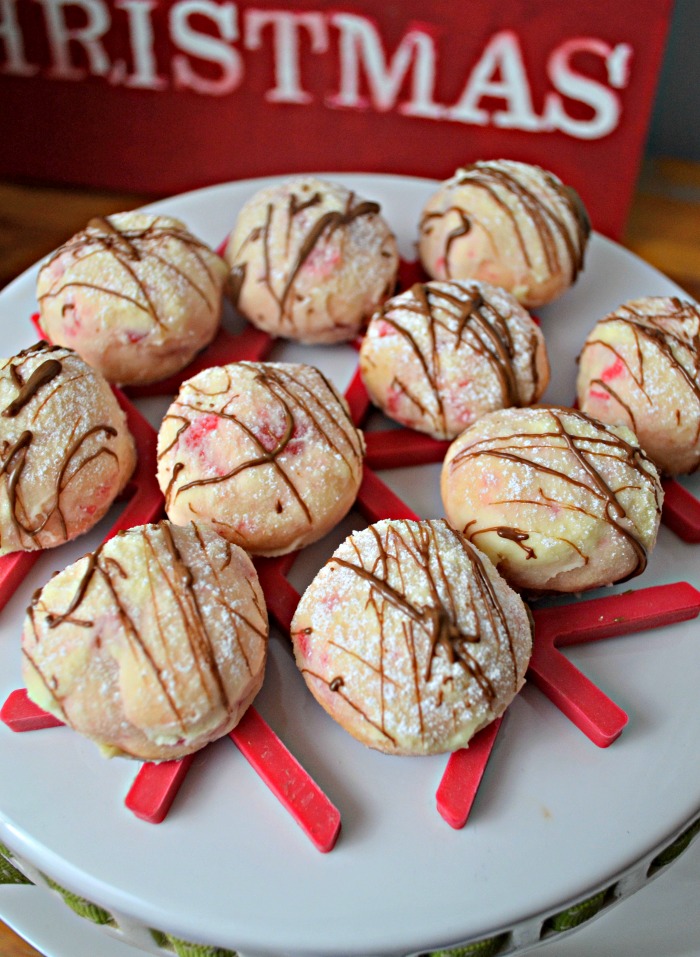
(155, 787)
(681, 511)
(21, 714)
(13, 569)
(465, 769)
(357, 398)
(288, 781)
(281, 597)
(397, 448)
(376, 500)
(577, 697)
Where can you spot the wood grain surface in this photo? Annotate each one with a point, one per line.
(663, 229)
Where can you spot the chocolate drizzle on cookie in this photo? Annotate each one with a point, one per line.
(457, 317)
(520, 203)
(670, 335)
(585, 451)
(21, 466)
(318, 230)
(178, 585)
(300, 404)
(414, 672)
(163, 242)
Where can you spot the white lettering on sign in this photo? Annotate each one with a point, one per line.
(62, 39)
(145, 75)
(361, 47)
(286, 27)
(205, 47)
(210, 46)
(500, 72)
(12, 42)
(604, 103)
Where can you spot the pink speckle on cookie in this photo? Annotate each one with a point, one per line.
(382, 329)
(613, 371)
(199, 429)
(324, 260)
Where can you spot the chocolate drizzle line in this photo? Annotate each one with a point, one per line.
(430, 631)
(322, 227)
(495, 180)
(472, 323)
(523, 448)
(176, 580)
(130, 248)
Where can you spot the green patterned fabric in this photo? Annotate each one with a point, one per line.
(573, 916)
(185, 948)
(81, 906)
(679, 845)
(480, 948)
(9, 874)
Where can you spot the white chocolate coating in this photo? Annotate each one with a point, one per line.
(507, 223)
(65, 448)
(136, 295)
(558, 501)
(311, 261)
(153, 645)
(640, 367)
(266, 452)
(442, 354)
(410, 639)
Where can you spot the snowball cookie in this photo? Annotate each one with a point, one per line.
(153, 646)
(640, 366)
(264, 451)
(507, 223)
(410, 638)
(558, 501)
(136, 295)
(310, 261)
(442, 354)
(65, 449)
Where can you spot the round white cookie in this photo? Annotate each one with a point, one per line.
(152, 646)
(311, 261)
(136, 295)
(65, 448)
(266, 452)
(640, 367)
(442, 354)
(508, 223)
(558, 501)
(410, 639)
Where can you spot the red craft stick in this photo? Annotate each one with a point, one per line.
(465, 769)
(281, 597)
(681, 511)
(13, 569)
(145, 497)
(287, 780)
(578, 698)
(376, 500)
(155, 787)
(21, 714)
(358, 399)
(410, 272)
(397, 448)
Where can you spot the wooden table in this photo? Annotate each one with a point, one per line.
(663, 228)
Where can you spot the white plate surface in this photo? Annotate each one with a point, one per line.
(556, 817)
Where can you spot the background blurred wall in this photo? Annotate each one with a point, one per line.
(675, 124)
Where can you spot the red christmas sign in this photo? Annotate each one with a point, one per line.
(160, 96)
